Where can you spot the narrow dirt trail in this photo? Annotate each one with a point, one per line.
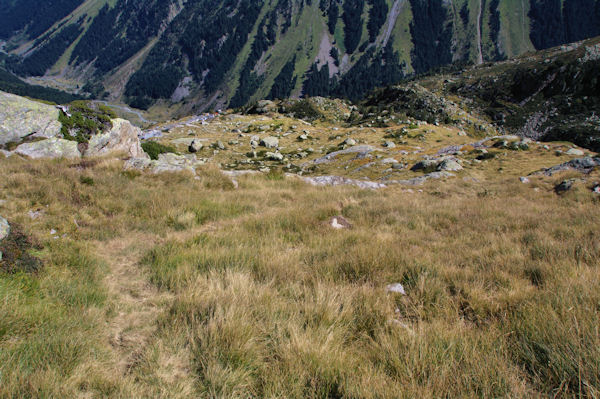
(144, 361)
(137, 303)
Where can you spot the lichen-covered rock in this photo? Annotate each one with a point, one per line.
(166, 163)
(270, 142)
(50, 148)
(20, 118)
(123, 138)
(449, 165)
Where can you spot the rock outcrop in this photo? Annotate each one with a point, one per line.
(33, 128)
(50, 148)
(21, 118)
(166, 163)
(122, 138)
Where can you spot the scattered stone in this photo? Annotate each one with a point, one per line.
(342, 181)
(389, 144)
(524, 180)
(417, 181)
(303, 137)
(274, 156)
(564, 186)
(195, 146)
(449, 165)
(270, 142)
(339, 222)
(361, 150)
(35, 214)
(575, 151)
(580, 164)
(396, 288)
(427, 165)
(596, 189)
(350, 141)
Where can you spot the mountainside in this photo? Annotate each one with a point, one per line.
(198, 54)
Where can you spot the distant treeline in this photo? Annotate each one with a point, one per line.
(12, 84)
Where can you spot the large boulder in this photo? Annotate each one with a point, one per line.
(51, 148)
(449, 165)
(426, 165)
(270, 142)
(123, 138)
(20, 118)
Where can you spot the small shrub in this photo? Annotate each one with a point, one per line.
(88, 181)
(154, 149)
(486, 156)
(16, 255)
(85, 121)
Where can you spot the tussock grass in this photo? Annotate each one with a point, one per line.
(502, 282)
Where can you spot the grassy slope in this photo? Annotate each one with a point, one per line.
(260, 297)
(91, 8)
(515, 31)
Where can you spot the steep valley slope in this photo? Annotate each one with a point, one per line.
(187, 56)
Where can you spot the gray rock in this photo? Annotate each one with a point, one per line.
(122, 138)
(596, 189)
(303, 137)
(20, 117)
(274, 156)
(524, 180)
(350, 141)
(195, 146)
(564, 186)
(396, 288)
(417, 181)
(339, 223)
(580, 164)
(361, 150)
(50, 148)
(4, 228)
(342, 181)
(389, 144)
(427, 165)
(449, 165)
(575, 151)
(270, 142)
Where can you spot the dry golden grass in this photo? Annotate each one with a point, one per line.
(254, 295)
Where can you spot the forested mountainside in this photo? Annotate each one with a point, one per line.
(214, 53)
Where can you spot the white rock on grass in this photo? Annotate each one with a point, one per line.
(396, 288)
(339, 223)
(4, 228)
(575, 152)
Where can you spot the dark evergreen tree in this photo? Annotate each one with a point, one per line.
(353, 23)
(431, 34)
(317, 82)
(284, 82)
(377, 16)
